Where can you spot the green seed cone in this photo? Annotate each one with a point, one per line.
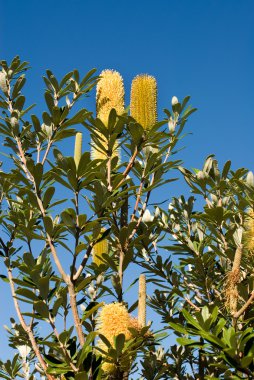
(143, 105)
(78, 148)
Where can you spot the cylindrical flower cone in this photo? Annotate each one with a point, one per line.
(109, 94)
(143, 106)
(113, 320)
(248, 236)
(99, 249)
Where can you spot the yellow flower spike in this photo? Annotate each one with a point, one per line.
(109, 94)
(142, 301)
(113, 320)
(248, 236)
(99, 249)
(78, 148)
(143, 105)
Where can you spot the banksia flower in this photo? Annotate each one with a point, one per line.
(109, 94)
(142, 301)
(143, 105)
(98, 250)
(248, 236)
(78, 148)
(113, 320)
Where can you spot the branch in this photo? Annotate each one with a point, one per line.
(129, 166)
(65, 352)
(244, 307)
(77, 321)
(83, 263)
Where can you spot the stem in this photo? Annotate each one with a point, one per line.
(73, 268)
(84, 261)
(77, 321)
(129, 166)
(109, 174)
(201, 362)
(245, 306)
(65, 352)
(120, 274)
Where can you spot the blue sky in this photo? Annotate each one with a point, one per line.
(200, 48)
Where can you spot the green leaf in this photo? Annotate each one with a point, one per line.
(119, 343)
(43, 285)
(186, 341)
(48, 196)
(41, 309)
(48, 223)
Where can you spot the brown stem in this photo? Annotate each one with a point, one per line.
(245, 306)
(65, 352)
(120, 273)
(192, 304)
(138, 198)
(129, 166)
(201, 362)
(47, 151)
(27, 328)
(109, 174)
(77, 321)
(83, 263)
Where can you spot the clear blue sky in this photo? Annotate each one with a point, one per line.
(201, 48)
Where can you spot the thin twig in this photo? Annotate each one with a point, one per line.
(244, 307)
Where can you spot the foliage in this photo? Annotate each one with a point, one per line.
(196, 254)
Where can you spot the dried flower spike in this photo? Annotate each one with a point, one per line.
(78, 148)
(143, 105)
(142, 301)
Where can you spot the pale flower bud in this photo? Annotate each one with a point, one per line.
(83, 308)
(147, 217)
(200, 175)
(174, 101)
(91, 291)
(47, 129)
(250, 178)
(14, 121)
(171, 126)
(3, 82)
(24, 351)
(170, 206)
(157, 212)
